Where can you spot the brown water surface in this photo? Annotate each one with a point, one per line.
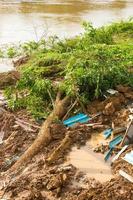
(89, 162)
(6, 65)
(28, 20)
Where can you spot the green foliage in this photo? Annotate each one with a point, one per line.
(30, 47)
(94, 35)
(111, 34)
(84, 67)
(11, 52)
(101, 67)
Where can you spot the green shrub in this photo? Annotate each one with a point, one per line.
(11, 52)
(84, 67)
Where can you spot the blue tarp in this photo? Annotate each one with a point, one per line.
(107, 133)
(115, 141)
(112, 145)
(79, 118)
(108, 154)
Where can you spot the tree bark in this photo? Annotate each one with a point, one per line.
(44, 137)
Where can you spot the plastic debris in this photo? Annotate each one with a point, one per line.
(128, 137)
(126, 176)
(108, 154)
(79, 118)
(119, 153)
(107, 133)
(117, 140)
(112, 145)
(112, 92)
(129, 157)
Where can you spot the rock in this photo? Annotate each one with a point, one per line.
(109, 109)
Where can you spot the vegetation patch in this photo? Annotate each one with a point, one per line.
(82, 67)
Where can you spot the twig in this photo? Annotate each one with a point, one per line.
(71, 107)
(51, 97)
(26, 123)
(81, 104)
(92, 124)
(25, 127)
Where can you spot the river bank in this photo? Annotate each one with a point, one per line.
(46, 154)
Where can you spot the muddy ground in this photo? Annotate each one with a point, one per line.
(56, 179)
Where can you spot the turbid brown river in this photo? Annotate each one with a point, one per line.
(28, 20)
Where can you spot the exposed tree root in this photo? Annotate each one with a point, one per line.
(66, 142)
(44, 136)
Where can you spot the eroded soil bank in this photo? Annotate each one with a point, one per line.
(76, 172)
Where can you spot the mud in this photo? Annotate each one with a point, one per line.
(8, 78)
(90, 163)
(67, 177)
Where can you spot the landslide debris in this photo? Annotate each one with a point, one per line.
(42, 179)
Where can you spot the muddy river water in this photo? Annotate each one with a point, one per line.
(22, 20)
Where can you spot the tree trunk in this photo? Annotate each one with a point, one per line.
(44, 137)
